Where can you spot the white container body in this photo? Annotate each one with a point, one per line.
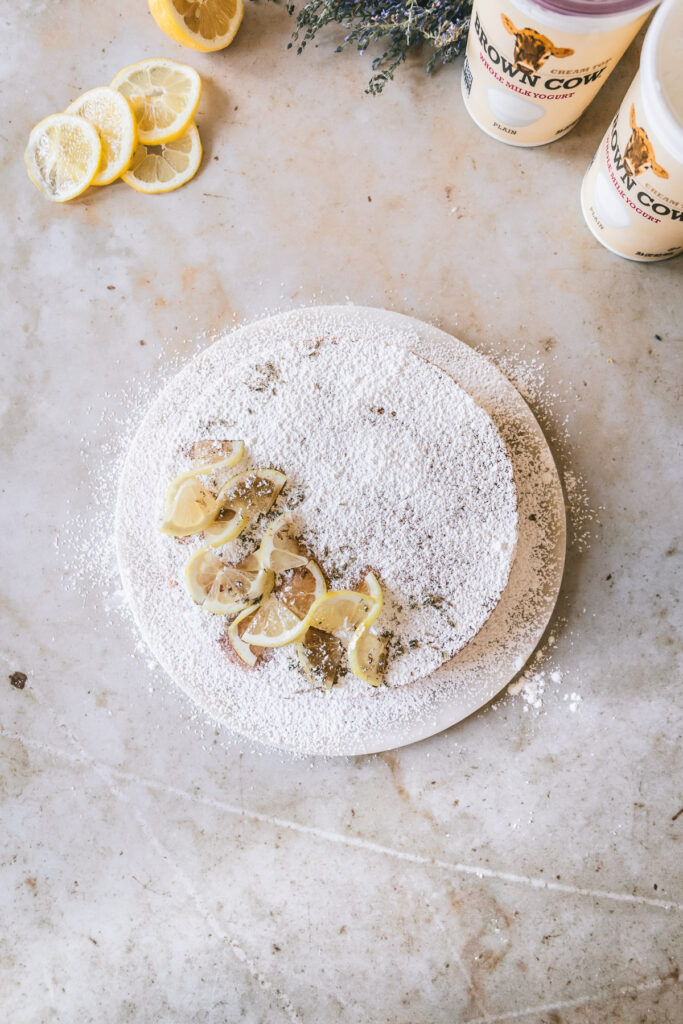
(632, 193)
(530, 72)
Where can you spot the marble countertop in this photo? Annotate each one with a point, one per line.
(523, 866)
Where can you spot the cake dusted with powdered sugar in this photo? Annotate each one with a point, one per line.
(390, 466)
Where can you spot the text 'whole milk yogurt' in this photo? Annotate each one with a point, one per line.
(632, 194)
(533, 66)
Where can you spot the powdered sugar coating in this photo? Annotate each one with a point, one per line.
(409, 462)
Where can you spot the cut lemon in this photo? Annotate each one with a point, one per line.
(234, 587)
(249, 655)
(201, 570)
(281, 619)
(164, 96)
(62, 156)
(189, 508)
(301, 588)
(253, 492)
(226, 527)
(370, 586)
(340, 611)
(223, 589)
(109, 113)
(368, 655)
(200, 24)
(320, 656)
(273, 625)
(163, 168)
(208, 456)
(280, 549)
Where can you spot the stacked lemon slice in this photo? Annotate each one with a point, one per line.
(140, 129)
(277, 595)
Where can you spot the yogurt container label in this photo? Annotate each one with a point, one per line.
(632, 194)
(527, 81)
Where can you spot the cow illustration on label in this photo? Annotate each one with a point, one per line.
(639, 155)
(531, 48)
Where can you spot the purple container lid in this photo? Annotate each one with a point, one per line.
(594, 8)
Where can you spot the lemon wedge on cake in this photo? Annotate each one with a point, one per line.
(281, 618)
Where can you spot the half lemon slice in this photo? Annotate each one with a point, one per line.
(320, 656)
(62, 156)
(162, 168)
(280, 549)
(236, 629)
(200, 24)
(281, 618)
(108, 112)
(189, 508)
(223, 589)
(244, 497)
(164, 96)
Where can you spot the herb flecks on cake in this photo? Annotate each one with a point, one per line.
(276, 595)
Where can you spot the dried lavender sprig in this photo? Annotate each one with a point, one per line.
(399, 25)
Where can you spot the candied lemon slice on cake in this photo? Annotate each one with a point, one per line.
(320, 656)
(340, 611)
(164, 96)
(62, 156)
(227, 526)
(273, 625)
(110, 114)
(200, 24)
(190, 507)
(209, 455)
(165, 167)
(223, 589)
(368, 655)
(201, 570)
(280, 549)
(281, 618)
(236, 629)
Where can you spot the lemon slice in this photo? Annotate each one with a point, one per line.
(208, 456)
(226, 527)
(253, 492)
(189, 508)
(108, 111)
(164, 96)
(273, 625)
(223, 589)
(320, 656)
(234, 587)
(200, 24)
(201, 570)
(367, 655)
(340, 611)
(237, 627)
(281, 619)
(279, 549)
(163, 168)
(370, 586)
(301, 588)
(62, 156)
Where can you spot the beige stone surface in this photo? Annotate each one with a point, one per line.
(525, 865)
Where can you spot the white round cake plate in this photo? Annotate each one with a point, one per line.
(477, 673)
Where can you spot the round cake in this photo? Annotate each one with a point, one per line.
(391, 467)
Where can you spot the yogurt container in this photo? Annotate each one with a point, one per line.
(533, 66)
(632, 193)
